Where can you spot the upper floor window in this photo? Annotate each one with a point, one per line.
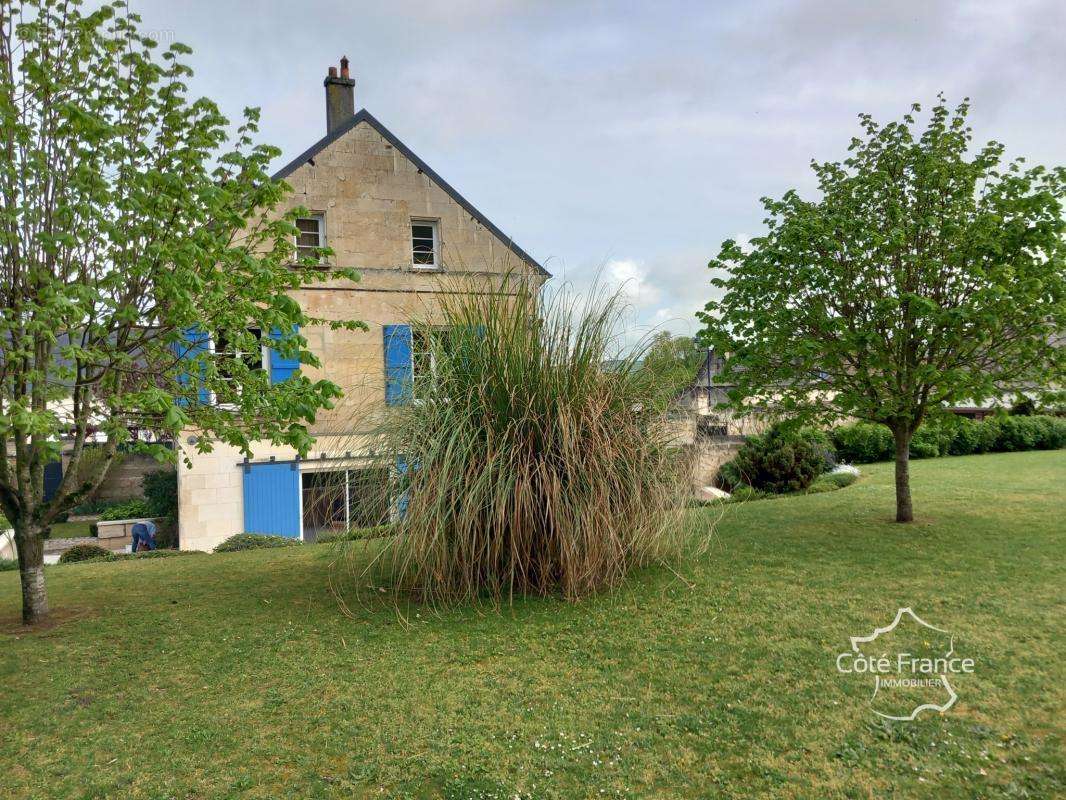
(311, 236)
(425, 244)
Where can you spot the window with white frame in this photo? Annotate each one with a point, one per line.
(425, 244)
(427, 346)
(310, 236)
(253, 353)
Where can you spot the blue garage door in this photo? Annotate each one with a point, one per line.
(272, 499)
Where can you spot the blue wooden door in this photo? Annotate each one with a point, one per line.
(272, 499)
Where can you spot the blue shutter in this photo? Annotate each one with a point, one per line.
(196, 343)
(282, 368)
(272, 499)
(398, 373)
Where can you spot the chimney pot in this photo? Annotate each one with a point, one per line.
(344, 66)
(333, 72)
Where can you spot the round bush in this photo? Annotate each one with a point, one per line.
(253, 541)
(780, 461)
(86, 552)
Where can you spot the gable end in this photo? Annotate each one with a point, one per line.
(365, 116)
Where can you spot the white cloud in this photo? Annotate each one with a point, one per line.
(630, 278)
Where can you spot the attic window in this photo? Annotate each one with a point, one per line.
(425, 244)
(310, 237)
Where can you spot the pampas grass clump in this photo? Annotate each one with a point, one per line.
(532, 468)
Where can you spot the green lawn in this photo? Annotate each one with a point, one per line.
(239, 675)
(71, 530)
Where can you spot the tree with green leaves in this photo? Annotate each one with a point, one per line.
(924, 275)
(671, 363)
(135, 238)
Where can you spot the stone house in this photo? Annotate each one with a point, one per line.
(412, 237)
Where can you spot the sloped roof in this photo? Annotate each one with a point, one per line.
(365, 116)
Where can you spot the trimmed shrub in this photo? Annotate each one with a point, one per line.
(1053, 432)
(8, 564)
(162, 554)
(149, 554)
(356, 534)
(87, 552)
(929, 441)
(130, 509)
(1030, 433)
(965, 437)
(1016, 433)
(780, 461)
(987, 436)
(863, 443)
(253, 541)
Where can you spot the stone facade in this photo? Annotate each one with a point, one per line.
(368, 188)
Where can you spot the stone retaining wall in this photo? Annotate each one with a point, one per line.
(123, 481)
(708, 456)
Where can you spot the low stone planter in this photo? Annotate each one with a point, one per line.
(117, 534)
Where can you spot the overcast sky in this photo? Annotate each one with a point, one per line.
(630, 139)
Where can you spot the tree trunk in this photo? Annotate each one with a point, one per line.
(904, 510)
(30, 543)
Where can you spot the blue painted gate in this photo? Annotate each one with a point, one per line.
(272, 499)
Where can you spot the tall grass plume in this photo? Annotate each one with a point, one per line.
(533, 459)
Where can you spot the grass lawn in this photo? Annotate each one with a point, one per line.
(238, 675)
(71, 530)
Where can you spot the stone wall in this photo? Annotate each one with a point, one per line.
(123, 481)
(708, 456)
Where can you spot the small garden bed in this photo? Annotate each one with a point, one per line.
(840, 478)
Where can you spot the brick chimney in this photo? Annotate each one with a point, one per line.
(340, 97)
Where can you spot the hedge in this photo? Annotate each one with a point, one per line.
(866, 442)
(253, 541)
(129, 509)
